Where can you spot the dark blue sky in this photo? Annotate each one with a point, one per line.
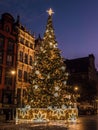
(75, 23)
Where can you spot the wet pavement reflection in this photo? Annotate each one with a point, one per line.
(85, 123)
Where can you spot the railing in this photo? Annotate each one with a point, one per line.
(31, 115)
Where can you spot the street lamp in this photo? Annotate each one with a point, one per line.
(13, 72)
(76, 91)
(76, 88)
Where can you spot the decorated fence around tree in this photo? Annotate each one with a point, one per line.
(33, 115)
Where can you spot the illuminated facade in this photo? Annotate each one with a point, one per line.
(8, 47)
(25, 56)
(16, 56)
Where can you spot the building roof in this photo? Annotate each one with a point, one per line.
(78, 64)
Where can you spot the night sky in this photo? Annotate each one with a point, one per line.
(75, 23)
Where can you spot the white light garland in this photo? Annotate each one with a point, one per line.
(41, 48)
(64, 82)
(35, 63)
(51, 43)
(56, 88)
(50, 36)
(37, 72)
(48, 76)
(63, 106)
(56, 94)
(36, 86)
(63, 68)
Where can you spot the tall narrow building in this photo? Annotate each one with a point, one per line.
(16, 56)
(8, 47)
(25, 56)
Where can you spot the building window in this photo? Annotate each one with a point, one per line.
(8, 79)
(26, 58)
(21, 56)
(10, 46)
(21, 40)
(24, 92)
(7, 97)
(0, 74)
(25, 76)
(26, 43)
(30, 60)
(20, 75)
(9, 60)
(18, 96)
(0, 71)
(1, 42)
(31, 45)
(7, 28)
(1, 57)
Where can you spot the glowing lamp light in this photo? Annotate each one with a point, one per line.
(13, 72)
(76, 88)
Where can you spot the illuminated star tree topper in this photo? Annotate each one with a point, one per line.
(50, 12)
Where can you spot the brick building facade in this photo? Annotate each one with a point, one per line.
(16, 57)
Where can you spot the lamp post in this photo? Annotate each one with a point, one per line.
(13, 72)
(76, 91)
(21, 98)
(76, 88)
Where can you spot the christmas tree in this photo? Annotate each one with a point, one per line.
(47, 95)
(48, 77)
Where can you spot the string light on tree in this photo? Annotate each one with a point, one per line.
(57, 88)
(37, 72)
(49, 75)
(56, 94)
(50, 72)
(63, 68)
(36, 86)
(64, 82)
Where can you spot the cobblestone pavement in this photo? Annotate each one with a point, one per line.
(83, 123)
(10, 126)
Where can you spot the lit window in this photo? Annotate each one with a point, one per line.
(26, 43)
(21, 56)
(19, 75)
(8, 79)
(9, 60)
(21, 40)
(31, 46)
(25, 76)
(30, 60)
(10, 46)
(26, 58)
